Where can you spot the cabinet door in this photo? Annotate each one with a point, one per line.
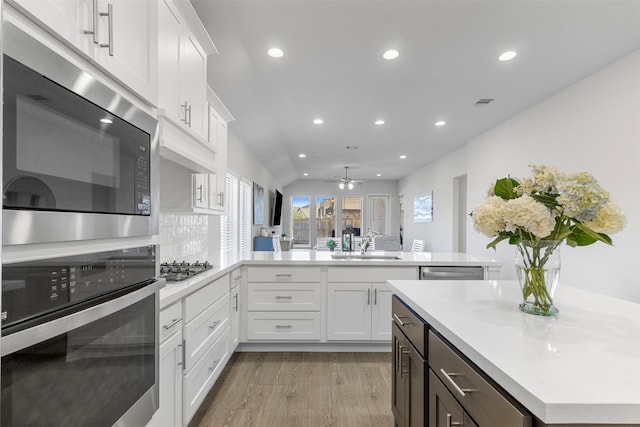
(381, 312)
(201, 190)
(399, 390)
(349, 312)
(193, 74)
(127, 41)
(67, 18)
(444, 409)
(169, 53)
(215, 197)
(169, 413)
(234, 317)
(414, 368)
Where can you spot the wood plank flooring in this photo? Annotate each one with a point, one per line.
(300, 390)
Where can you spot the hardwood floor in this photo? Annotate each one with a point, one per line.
(301, 390)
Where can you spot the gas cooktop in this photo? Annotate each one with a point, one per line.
(179, 271)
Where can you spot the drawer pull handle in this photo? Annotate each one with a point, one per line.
(212, 367)
(451, 423)
(284, 326)
(212, 327)
(284, 297)
(284, 274)
(173, 323)
(399, 320)
(462, 391)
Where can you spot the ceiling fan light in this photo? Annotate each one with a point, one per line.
(350, 185)
(341, 185)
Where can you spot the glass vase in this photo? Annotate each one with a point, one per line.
(538, 270)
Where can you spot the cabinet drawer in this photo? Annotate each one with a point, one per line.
(284, 297)
(201, 378)
(283, 274)
(283, 326)
(204, 330)
(197, 302)
(236, 277)
(485, 403)
(371, 274)
(170, 320)
(411, 325)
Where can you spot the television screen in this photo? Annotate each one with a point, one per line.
(276, 212)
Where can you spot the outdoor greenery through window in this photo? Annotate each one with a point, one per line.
(300, 213)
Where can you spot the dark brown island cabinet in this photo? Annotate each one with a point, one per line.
(435, 386)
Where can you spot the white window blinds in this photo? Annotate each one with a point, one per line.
(229, 221)
(245, 213)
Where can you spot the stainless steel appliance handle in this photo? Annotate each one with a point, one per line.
(28, 337)
(109, 16)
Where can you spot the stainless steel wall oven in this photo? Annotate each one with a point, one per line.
(79, 160)
(80, 340)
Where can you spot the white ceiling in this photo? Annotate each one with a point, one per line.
(333, 68)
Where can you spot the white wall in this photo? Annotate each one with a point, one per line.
(313, 188)
(242, 162)
(438, 178)
(594, 126)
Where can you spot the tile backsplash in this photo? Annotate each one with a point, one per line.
(184, 237)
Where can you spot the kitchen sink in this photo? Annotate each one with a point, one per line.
(364, 256)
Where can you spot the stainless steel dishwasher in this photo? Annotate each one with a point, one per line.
(451, 273)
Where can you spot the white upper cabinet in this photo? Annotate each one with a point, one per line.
(119, 36)
(183, 47)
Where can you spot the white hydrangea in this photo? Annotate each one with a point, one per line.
(610, 219)
(525, 212)
(488, 217)
(582, 197)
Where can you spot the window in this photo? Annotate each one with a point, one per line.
(300, 213)
(229, 221)
(244, 226)
(325, 216)
(378, 214)
(352, 214)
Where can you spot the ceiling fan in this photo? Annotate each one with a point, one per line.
(346, 181)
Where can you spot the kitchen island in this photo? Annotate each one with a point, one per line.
(579, 368)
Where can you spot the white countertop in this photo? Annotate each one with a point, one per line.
(582, 366)
(225, 262)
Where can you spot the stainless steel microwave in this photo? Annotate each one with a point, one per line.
(79, 160)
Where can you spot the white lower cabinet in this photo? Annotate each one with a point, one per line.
(234, 307)
(359, 312)
(199, 380)
(206, 336)
(359, 304)
(284, 304)
(169, 413)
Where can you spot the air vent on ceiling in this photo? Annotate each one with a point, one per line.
(483, 101)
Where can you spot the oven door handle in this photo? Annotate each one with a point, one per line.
(31, 336)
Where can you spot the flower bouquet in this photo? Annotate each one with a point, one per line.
(537, 214)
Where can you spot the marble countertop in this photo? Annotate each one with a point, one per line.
(226, 262)
(582, 366)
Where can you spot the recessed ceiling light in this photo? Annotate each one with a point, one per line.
(275, 52)
(391, 54)
(318, 121)
(403, 156)
(507, 56)
(305, 174)
(378, 174)
(440, 123)
(379, 122)
(302, 155)
(106, 121)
